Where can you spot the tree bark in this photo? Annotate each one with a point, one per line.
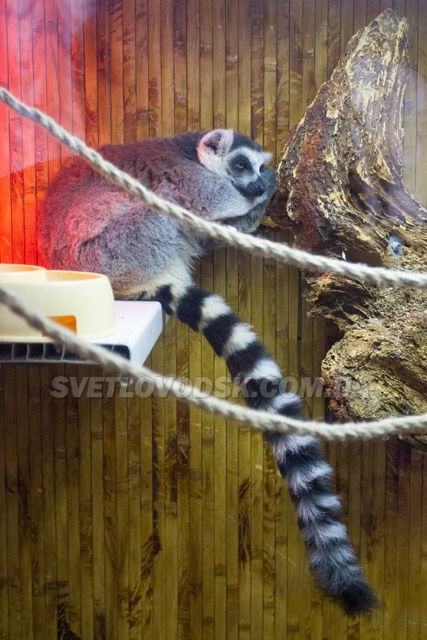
(341, 189)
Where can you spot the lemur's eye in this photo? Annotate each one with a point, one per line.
(241, 163)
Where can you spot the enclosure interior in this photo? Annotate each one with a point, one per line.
(132, 517)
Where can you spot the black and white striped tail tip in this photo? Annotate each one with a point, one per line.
(351, 592)
(358, 599)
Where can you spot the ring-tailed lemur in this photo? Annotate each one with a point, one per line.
(88, 223)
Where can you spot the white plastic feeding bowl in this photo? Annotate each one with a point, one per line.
(81, 301)
(21, 273)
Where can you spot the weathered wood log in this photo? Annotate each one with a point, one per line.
(341, 189)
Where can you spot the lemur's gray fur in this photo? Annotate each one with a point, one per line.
(89, 224)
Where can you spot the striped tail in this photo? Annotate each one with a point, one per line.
(331, 558)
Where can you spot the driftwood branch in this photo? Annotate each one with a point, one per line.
(341, 189)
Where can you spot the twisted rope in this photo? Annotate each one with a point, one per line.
(261, 420)
(257, 246)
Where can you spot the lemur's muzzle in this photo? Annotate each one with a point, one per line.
(252, 189)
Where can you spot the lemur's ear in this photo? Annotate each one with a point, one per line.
(267, 156)
(214, 146)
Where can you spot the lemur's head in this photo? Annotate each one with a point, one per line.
(236, 157)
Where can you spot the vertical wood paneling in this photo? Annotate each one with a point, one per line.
(295, 62)
(117, 71)
(282, 506)
(4, 580)
(71, 482)
(206, 59)
(180, 65)
(334, 34)
(57, 79)
(5, 181)
(220, 475)
(320, 44)
(202, 614)
(14, 613)
(283, 74)
(24, 507)
(15, 131)
(232, 67)
(244, 477)
(141, 69)
(373, 8)
(97, 544)
(85, 518)
(60, 60)
(40, 102)
(218, 71)
(415, 578)
(181, 450)
(204, 592)
(109, 529)
(48, 522)
(78, 63)
(129, 65)
(130, 517)
(154, 69)
(103, 70)
(62, 609)
(193, 64)
(149, 533)
(122, 515)
(403, 528)
(90, 76)
(308, 90)
(360, 15)
(347, 22)
(270, 471)
(171, 542)
(167, 70)
(159, 484)
(350, 470)
(28, 133)
(270, 75)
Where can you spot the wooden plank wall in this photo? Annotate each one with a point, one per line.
(138, 517)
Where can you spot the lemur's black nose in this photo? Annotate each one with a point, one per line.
(256, 188)
(253, 189)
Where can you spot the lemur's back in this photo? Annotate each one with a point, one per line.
(88, 223)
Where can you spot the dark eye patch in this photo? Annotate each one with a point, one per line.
(241, 163)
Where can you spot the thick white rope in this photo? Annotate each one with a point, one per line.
(257, 246)
(258, 419)
(261, 420)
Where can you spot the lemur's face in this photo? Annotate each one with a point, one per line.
(242, 163)
(246, 168)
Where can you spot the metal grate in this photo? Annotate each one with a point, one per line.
(139, 324)
(38, 352)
